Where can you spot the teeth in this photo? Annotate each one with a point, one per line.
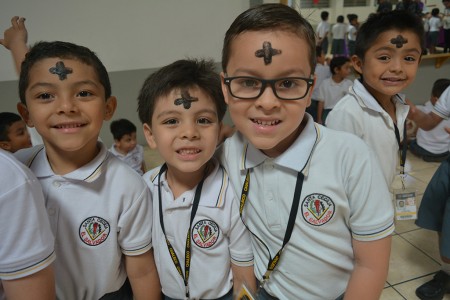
(266, 123)
(68, 126)
(188, 151)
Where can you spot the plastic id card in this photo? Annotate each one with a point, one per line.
(244, 294)
(405, 204)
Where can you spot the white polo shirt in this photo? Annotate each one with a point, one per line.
(442, 106)
(330, 91)
(436, 140)
(344, 196)
(321, 72)
(134, 158)
(27, 242)
(322, 29)
(98, 213)
(218, 236)
(359, 113)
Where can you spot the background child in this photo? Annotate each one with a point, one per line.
(387, 55)
(321, 72)
(27, 247)
(13, 132)
(334, 88)
(434, 214)
(99, 209)
(181, 106)
(316, 194)
(434, 25)
(446, 25)
(338, 32)
(323, 28)
(432, 145)
(125, 145)
(352, 30)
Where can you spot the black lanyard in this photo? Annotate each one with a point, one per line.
(290, 226)
(187, 251)
(401, 148)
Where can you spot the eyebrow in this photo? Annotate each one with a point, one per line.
(287, 73)
(176, 112)
(52, 85)
(393, 48)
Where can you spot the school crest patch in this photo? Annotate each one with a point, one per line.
(205, 233)
(317, 209)
(94, 231)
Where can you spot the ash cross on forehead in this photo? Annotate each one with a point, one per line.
(60, 70)
(185, 99)
(399, 41)
(267, 52)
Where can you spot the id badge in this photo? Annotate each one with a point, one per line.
(244, 294)
(405, 204)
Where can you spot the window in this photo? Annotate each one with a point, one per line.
(351, 3)
(314, 4)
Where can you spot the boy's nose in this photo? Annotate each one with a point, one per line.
(268, 100)
(66, 104)
(189, 131)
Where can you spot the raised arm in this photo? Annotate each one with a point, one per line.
(425, 121)
(15, 39)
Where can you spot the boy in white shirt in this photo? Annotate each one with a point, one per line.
(338, 32)
(181, 107)
(434, 26)
(322, 31)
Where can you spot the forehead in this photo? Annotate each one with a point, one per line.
(389, 38)
(201, 101)
(44, 70)
(294, 56)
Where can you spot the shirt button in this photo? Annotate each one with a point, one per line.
(56, 184)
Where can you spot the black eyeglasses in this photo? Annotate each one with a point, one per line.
(288, 88)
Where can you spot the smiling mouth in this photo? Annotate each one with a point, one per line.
(266, 123)
(69, 126)
(393, 79)
(188, 151)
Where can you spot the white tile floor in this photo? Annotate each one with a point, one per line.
(415, 254)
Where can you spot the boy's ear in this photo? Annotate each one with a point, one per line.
(224, 87)
(25, 114)
(357, 63)
(5, 145)
(149, 137)
(111, 105)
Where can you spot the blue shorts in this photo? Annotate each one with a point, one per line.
(434, 210)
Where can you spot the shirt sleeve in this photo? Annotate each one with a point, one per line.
(442, 106)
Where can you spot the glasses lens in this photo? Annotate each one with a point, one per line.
(245, 87)
(291, 88)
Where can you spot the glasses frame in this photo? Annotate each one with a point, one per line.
(271, 82)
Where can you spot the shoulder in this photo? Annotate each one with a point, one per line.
(26, 155)
(13, 171)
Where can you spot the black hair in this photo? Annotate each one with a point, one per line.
(121, 127)
(270, 17)
(435, 12)
(6, 120)
(319, 51)
(439, 86)
(63, 50)
(324, 15)
(180, 74)
(340, 19)
(376, 24)
(337, 62)
(352, 17)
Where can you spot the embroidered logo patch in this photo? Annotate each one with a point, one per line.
(94, 231)
(205, 233)
(317, 209)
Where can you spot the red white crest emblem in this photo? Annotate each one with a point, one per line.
(205, 233)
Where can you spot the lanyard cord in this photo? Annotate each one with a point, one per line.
(290, 226)
(401, 148)
(187, 252)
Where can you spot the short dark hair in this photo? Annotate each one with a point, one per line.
(63, 50)
(6, 120)
(324, 15)
(340, 19)
(376, 24)
(181, 74)
(439, 86)
(319, 51)
(337, 62)
(352, 17)
(121, 127)
(435, 12)
(270, 17)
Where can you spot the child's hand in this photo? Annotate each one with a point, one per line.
(412, 109)
(447, 129)
(16, 35)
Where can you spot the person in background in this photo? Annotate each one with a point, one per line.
(338, 32)
(432, 145)
(13, 132)
(384, 6)
(434, 26)
(322, 32)
(352, 30)
(446, 25)
(334, 88)
(311, 196)
(321, 72)
(125, 145)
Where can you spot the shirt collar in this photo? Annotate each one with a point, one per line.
(296, 157)
(40, 165)
(366, 99)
